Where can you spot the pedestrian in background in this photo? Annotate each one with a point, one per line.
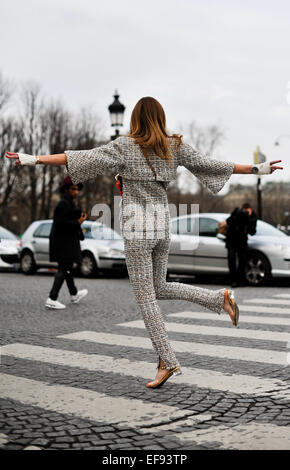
(64, 243)
(240, 223)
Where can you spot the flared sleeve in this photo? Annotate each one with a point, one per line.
(83, 165)
(212, 173)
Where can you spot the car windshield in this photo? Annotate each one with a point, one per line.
(100, 232)
(267, 230)
(6, 235)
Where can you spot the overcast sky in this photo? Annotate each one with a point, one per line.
(220, 62)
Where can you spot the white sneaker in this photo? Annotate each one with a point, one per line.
(54, 304)
(79, 295)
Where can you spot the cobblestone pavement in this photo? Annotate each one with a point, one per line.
(75, 379)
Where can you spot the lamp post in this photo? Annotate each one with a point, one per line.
(116, 110)
(280, 136)
(259, 157)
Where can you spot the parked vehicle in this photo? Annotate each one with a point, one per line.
(10, 247)
(102, 249)
(197, 248)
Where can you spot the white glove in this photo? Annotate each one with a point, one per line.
(26, 159)
(263, 169)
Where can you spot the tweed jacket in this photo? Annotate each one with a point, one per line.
(124, 157)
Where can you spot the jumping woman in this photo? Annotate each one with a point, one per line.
(147, 159)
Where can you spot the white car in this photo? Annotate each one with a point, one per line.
(197, 248)
(102, 249)
(10, 247)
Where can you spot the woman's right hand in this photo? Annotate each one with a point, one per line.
(23, 158)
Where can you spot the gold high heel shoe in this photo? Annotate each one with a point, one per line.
(174, 371)
(230, 297)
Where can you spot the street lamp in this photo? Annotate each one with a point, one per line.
(259, 157)
(116, 110)
(280, 136)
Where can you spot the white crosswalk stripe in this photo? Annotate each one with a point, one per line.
(256, 319)
(3, 439)
(284, 296)
(199, 377)
(268, 301)
(264, 356)
(216, 331)
(263, 309)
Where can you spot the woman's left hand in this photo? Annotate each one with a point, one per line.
(266, 168)
(22, 158)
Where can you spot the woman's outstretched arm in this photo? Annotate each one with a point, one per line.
(56, 159)
(81, 165)
(213, 173)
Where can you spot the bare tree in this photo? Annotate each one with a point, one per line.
(56, 125)
(87, 133)
(87, 128)
(8, 140)
(43, 128)
(8, 176)
(32, 136)
(6, 90)
(206, 140)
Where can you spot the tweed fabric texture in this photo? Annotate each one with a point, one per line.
(144, 211)
(145, 221)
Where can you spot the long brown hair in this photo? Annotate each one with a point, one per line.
(148, 128)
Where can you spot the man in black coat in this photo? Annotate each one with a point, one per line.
(64, 246)
(240, 223)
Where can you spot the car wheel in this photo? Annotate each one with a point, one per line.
(88, 266)
(257, 270)
(27, 263)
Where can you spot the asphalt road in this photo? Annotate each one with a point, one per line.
(75, 379)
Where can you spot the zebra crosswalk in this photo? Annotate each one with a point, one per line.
(139, 412)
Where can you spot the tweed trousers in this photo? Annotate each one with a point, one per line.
(147, 267)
